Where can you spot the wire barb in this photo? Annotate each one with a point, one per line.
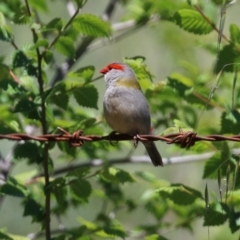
(76, 139)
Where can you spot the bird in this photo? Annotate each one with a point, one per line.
(125, 107)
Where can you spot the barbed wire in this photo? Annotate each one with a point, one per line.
(184, 139)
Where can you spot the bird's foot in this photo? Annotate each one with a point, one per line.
(111, 138)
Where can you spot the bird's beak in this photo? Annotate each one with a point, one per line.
(104, 71)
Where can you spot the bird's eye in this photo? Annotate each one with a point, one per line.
(110, 68)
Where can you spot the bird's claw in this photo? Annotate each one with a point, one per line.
(111, 137)
(136, 140)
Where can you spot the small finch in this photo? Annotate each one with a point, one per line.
(125, 107)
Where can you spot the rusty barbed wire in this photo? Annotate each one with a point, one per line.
(76, 139)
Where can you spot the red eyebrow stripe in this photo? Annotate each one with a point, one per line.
(112, 66)
(116, 66)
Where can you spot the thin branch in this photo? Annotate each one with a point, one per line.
(44, 131)
(61, 32)
(209, 21)
(136, 160)
(82, 48)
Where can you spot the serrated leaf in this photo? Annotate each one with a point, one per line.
(29, 108)
(211, 166)
(216, 215)
(155, 237)
(61, 100)
(218, 160)
(80, 190)
(91, 25)
(5, 236)
(21, 15)
(180, 194)
(180, 83)
(66, 148)
(34, 209)
(11, 87)
(29, 150)
(234, 33)
(114, 228)
(85, 73)
(21, 60)
(5, 30)
(228, 57)
(79, 173)
(116, 175)
(14, 188)
(230, 122)
(53, 25)
(192, 21)
(39, 4)
(234, 220)
(89, 225)
(41, 43)
(65, 46)
(86, 96)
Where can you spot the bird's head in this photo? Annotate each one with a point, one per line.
(120, 74)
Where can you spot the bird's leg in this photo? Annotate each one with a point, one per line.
(111, 137)
(136, 140)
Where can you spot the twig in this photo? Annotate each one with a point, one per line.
(215, 27)
(44, 131)
(135, 160)
(82, 48)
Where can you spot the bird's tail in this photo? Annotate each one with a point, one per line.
(153, 153)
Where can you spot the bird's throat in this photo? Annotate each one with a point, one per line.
(129, 83)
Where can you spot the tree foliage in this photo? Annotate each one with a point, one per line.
(41, 90)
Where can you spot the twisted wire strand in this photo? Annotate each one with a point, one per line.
(184, 139)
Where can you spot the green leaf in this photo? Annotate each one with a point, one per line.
(32, 151)
(79, 173)
(21, 15)
(86, 73)
(28, 108)
(14, 188)
(86, 96)
(155, 237)
(116, 175)
(67, 148)
(91, 25)
(192, 21)
(114, 228)
(212, 165)
(11, 87)
(34, 209)
(41, 42)
(80, 3)
(55, 25)
(5, 31)
(230, 122)
(180, 194)
(39, 4)
(21, 60)
(234, 220)
(65, 46)
(80, 190)
(234, 33)
(219, 160)
(5, 236)
(61, 100)
(216, 214)
(227, 59)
